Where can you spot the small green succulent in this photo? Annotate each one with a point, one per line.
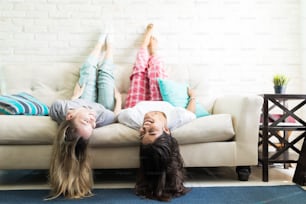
(280, 80)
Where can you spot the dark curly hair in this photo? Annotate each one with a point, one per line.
(161, 173)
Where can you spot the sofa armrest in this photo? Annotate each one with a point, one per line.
(245, 111)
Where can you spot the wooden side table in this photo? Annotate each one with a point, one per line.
(278, 128)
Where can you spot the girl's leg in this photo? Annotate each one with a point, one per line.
(138, 90)
(106, 82)
(156, 70)
(138, 80)
(88, 72)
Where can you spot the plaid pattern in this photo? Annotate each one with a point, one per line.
(144, 84)
(156, 70)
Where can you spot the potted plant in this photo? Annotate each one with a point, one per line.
(280, 83)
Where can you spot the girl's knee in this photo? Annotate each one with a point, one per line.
(106, 97)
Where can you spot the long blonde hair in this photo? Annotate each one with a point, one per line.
(70, 173)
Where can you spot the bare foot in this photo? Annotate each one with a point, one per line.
(148, 35)
(152, 46)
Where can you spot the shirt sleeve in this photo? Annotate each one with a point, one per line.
(57, 111)
(105, 117)
(131, 118)
(180, 116)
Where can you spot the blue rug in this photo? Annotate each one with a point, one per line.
(254, 194)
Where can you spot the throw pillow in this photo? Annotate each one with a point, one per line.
(22, 104)
(177, 94)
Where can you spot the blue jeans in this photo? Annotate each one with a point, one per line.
(98, 81)
(106, 85)
(88, 78)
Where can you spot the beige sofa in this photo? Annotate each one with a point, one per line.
(228, 137)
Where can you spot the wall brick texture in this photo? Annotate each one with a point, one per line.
(241, 43)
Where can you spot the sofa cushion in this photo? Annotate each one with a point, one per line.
(21, 129)
(212, 128)
(56, 81)
(114, 135)
(41, 130)
(176, 93)
(22, 104)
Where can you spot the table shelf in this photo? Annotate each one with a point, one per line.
(292, 158)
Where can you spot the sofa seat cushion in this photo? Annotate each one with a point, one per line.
(23, 129)
(114, 135)
(212, 128)
(41, 130)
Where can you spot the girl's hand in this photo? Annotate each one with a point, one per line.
(191, 92)
(118, 101)
(117, 94)
(192, 103)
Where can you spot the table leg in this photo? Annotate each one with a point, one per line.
(300, 171)
(265, 139)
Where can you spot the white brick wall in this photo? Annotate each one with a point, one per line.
(241, 43)
(303, 44)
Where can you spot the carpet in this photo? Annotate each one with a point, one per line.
(229, 195)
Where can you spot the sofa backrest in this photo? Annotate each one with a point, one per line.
(49, 82)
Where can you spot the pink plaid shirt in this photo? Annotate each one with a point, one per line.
(144, 85)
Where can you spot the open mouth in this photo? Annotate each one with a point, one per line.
(147, 121)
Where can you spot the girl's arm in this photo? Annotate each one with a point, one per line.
(118, 101)
(78, 91)
(192, 101)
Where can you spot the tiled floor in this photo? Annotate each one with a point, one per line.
(225, 176)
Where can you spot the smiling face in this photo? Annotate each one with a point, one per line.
(154, 124)
(84, 120)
